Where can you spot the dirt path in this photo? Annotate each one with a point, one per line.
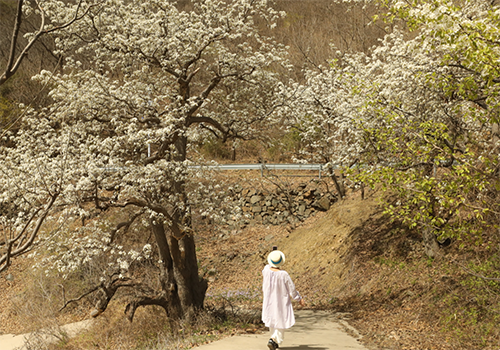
(314, 330)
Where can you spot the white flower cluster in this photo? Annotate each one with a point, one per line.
(213, 201)
(89, 247)
(324, 114)
(424, 98)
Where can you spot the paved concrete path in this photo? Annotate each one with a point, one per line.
(11, 342)
(313, 330)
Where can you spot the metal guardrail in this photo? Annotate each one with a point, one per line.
(264, 166)
(259, 166)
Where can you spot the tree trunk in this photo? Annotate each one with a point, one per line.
(167, 277)
(190, 287)
(338, 182)
(431, 245)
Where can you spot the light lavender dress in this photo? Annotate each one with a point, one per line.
(278, 289)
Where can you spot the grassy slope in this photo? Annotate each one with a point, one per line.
(353, 261)
(399, 299)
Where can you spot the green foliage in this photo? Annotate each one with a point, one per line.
(438, 160)
(472, 311)
(434, 184)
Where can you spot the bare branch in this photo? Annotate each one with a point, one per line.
(15, 34)
(13, 64)
(108, 291)
(5, 259)
(125, 225)
(79, 298)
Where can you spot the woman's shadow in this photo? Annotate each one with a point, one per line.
(303, 347)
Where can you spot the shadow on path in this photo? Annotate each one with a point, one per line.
(303, 347)
(314, 330)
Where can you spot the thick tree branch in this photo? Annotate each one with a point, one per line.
(160, 153)
(159, 300)
(15, 34)
(125, 225)
(200, 119)
(143, 204)
(214, 82)
(108, 291)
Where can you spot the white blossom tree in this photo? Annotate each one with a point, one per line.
(323, 113)
(151, 78)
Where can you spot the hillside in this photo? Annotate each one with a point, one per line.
(352, 261)
(348, 260)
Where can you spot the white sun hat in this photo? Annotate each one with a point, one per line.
(276, 258)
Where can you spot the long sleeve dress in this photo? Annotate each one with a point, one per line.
(278, 290)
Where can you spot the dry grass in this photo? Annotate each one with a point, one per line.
(151, 330)
(400, 299)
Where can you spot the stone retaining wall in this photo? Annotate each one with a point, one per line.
(280, 206)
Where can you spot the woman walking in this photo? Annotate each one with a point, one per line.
(278, 290)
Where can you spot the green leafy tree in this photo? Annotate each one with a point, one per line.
(434, 115)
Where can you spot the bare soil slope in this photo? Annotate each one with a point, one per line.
(373, 273)
(315, 251)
